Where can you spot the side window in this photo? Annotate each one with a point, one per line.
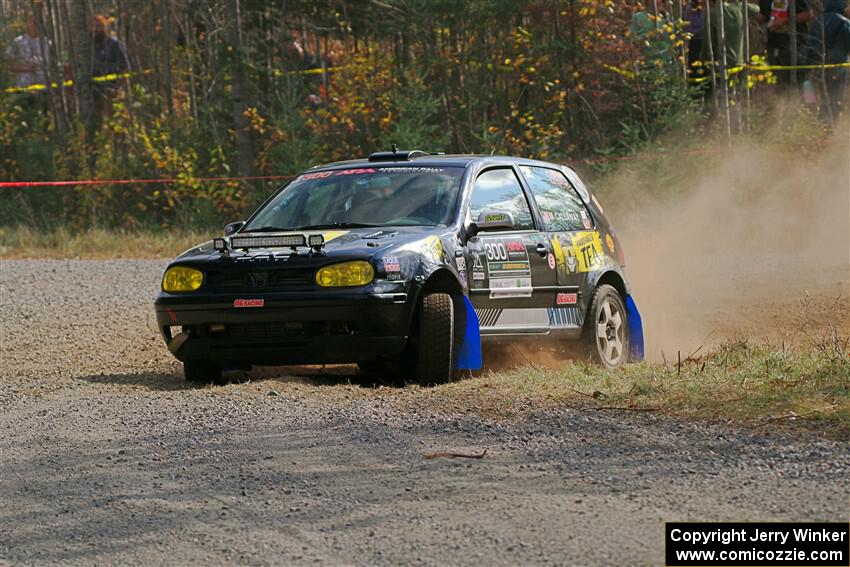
(499, 190)
(559, 204)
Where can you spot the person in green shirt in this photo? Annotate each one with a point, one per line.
(733, 28)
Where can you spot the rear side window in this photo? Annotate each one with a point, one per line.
(560, 206)
(499, 190)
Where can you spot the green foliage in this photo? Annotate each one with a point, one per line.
(552, 80)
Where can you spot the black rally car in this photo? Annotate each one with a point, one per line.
(405, 260)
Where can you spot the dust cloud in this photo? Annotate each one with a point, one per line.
(756, 244)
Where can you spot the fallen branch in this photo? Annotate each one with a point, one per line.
(789, 415)
(455, 455)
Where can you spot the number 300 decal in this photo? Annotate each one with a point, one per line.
(495, 251)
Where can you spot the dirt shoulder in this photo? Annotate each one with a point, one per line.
(109, 458)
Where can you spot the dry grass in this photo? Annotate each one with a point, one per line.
(755, 385)
(24, 242)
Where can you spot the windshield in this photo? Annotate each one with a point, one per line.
(365, 196)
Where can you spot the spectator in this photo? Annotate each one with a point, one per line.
(110, 58)
(733, 30)
(28, 54)
(776, 14)
(695, 16)
(829, 42)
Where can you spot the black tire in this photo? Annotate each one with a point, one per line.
(435, 356)
(203, 372)
(606, 331)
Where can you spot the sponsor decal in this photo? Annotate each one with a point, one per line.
(436, 247)
(598, 206)
(494, 218)
(239, 303)
(566, 299)
(477, 268)
(508, 268)
(547, 216)
(391, 264)
(394, 276)
(610, 242)
(552, 264)
(317, 175)
(502, 288)
(585, 220)
(332, 234)
(412, 169)
(356, 171)
(460, 262)
(587, 248)
(564, 254)
(463, 279)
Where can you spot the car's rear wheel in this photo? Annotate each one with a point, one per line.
(435, 356)
(607, 328)
(203, 372)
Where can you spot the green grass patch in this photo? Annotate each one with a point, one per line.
(96, 243)
(756, 385)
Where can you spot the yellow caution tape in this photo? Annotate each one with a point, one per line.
(623, 72)
(38, 87)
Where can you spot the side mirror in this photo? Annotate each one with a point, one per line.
(233, 227)
(492, 220)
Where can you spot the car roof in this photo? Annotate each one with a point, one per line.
(438, 160)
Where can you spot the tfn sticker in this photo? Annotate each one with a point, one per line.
(566, 299)
(249, 303)
(610, 242)
(552, 263)
(391, 264)
(460, 261)
(585, 220)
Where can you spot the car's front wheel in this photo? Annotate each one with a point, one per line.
(607, 328)
(203, 372)
(436, 339)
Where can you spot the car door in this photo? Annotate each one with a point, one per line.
(512, 277)
(576, 244)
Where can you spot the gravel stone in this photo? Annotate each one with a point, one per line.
(108, 457)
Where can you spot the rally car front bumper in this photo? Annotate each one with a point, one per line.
(286, 328)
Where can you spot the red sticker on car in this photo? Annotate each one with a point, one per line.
(566, 299)
(249, 303)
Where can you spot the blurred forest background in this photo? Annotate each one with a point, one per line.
(221, 88)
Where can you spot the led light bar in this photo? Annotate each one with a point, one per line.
(315, 240)
(219, 244)
(268, 241)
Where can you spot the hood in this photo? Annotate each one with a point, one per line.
(362, 243)
(835, 6)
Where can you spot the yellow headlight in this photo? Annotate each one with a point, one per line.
(345, 274)
(181, 278)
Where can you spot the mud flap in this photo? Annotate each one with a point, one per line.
(469, 353)
(635, 330)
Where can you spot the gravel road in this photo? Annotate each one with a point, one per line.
(108, 458)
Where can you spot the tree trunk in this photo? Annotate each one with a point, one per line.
(167, 81)
(82, 57)
(244, 153)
